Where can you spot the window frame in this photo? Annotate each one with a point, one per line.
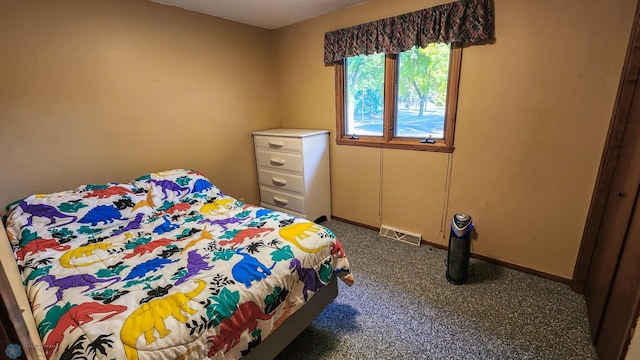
(387, 140)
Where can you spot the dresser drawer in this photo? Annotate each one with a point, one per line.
(281, 180)
(278, 143)
(282, 200)
(279, 161)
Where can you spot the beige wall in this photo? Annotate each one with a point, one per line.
(533, 113)
(96, 91)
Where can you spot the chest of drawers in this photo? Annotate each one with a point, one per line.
(293, 171)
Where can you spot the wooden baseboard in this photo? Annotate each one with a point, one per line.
(527, 270)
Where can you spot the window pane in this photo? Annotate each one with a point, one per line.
(364, 82)
(422, 92)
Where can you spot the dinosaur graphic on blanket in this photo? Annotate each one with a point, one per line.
(37, 245)
(308, 276)
(301, 231)
(105, 214)
(77, 316)
(82, 251)
(168, 185)
(249, 269)
(245, 234)
(223, 223)
(195, 264)
(108, 192)
(146, 267)
(206, 235)
(149, 247)
(72, 281)
(217, 205)
(147, 202)
(45, 211)
(149, 318)
(135, 224)
(244, 318)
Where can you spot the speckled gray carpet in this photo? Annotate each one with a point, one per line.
(402, 307)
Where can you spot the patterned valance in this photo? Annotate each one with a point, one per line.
(464, 21)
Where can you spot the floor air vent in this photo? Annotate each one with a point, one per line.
(402, 235)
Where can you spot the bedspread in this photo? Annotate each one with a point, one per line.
(164, 267)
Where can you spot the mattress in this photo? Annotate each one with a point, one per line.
(164, 267)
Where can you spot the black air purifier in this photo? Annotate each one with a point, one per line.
(459, 249)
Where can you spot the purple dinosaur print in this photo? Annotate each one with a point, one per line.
(222, 222)
(195, 264)
(45, 211)
(167, 185)
(249, 269)
(133, 225)
(71, 281)
(101, 213)
(308, 276)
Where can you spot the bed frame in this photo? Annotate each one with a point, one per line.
(18, 325)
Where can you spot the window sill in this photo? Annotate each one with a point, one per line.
(403, 144)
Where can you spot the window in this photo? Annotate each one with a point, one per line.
(405, 101)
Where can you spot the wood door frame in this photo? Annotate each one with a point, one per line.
(615, 135)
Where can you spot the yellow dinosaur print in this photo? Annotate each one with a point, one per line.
(83, 251)
(150, 317)
(217, 205)
(205, 235)
(148, 202)
(293, 232)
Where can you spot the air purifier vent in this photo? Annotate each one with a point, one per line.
(401, 235)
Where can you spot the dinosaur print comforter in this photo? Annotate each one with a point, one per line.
(164, 267)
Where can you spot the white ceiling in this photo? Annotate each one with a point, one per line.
(268, 14)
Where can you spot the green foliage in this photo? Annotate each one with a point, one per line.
(139, 241)
(146, 281)
(325, 272)
(88, 230)
(274, 296)
(229, 234)
(64, 235)
(166, 205)
(183, 180)
(72, 207)
(52, 317)
(224, 305)
(365, 84)
(27, 236)
(285, 253)
(225, 255)
(423, 76)
(41, 271)
(107, 273)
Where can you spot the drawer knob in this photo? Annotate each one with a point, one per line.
(278, 162)
(280, 201)
(279, 182)
(276, 144)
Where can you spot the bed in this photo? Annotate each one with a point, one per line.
(168, 267)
